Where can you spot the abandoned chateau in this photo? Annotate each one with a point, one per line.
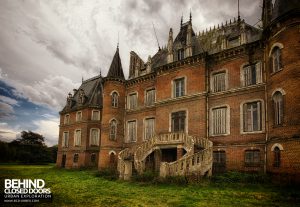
(208, 102)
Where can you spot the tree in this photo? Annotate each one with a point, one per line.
(30, 138)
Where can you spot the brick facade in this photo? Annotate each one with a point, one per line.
(245, 150)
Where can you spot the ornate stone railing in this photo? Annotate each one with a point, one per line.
(148, 147)
(126, 154)
(200, 162)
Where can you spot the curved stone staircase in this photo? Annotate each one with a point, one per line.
(200, 162)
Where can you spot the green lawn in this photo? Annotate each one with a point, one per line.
(83, 188)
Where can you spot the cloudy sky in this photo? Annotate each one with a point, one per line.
(46, 47)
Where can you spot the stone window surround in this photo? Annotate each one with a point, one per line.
(137, 100)
(77, 116)
(262, 116)
(227, 120)
(113, 119)
(127, 131)
(98, 118)
(111, 95)
(173, 85)
(77, 129)
(90, 137)
(242, 73)
(145, 95)
(186, 119)
(212, 73)
(280, 46)
(144, 121)
(63, 138)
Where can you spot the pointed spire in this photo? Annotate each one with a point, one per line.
(181, 22)
(191, 15)
(115, 69)
(82, 79)
(239, 17)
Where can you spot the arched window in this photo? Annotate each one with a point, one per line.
(112, 159)
(114, 99)
(276, 59)
(113, 130)
(278, 108)
(276, 157)
(75, 158)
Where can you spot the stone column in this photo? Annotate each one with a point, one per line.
(127, 170)
(157, 159)
(179, 151)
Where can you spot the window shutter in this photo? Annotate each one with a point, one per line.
(245, 116)
(259, 115)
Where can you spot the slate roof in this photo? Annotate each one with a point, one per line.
(282, 7)
(92, 89)
(115, 69)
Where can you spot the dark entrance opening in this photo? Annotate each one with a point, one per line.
(63, 161)
(150, 163)
(169, 155)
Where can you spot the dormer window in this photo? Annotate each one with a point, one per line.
(69, 100)
(81, 97)
(180, 54)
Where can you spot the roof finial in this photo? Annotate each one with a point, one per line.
(239, 17)
(181, 20)
(100, 73)
(118, 41)
(82, 79)
(191, 15)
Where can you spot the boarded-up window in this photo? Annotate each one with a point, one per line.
(150, 97)
(132, 101)
(252, 116)
(132, 131)
(252, 157)
(149, 128)
(219, 125)
(278, 108)
(76, 158)
(94, 137)
(77, 137)
(178, 121)
(179, 87)
(276, 157)
(219, 82)
(65, 139)
(95, 115)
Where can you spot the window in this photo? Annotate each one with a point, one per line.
(149, 128)
(95, 115)
(252, 116)
(76, 158)
(132, 131)
(178, 121)
(93, 158)
(219, 161)
(180, 54)
(94, 137)
(219, 121)
(150, 97)
(132, 101)
(79, 116)
(276, 157)
(252, 157)
(67, 119)
(276, 59)
(179, 87)
(65, 139)
(219, 82)
(252, 74)
(114, 99)
(113, 130)
(77, 137)
(278, 108)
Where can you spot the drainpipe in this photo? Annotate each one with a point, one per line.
(206, 94)
(266, 108)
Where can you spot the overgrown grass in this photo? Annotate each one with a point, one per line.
(90, 188)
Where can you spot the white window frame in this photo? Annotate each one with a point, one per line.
(114, 104)
(212, 74)
(227, 120)
(145, 127)
(258, 67)
(136, 124)
(77, 116)
(146, 97)
(76, 138)
(262, 111)
(65, 143)
(128, 101)
(98, 117)
(276, 121)
(280, 46)
(173, 91)
(97, 138)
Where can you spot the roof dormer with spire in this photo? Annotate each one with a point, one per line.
(115, 70)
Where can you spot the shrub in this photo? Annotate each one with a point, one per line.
(238, 177)
(107, 173)
(147, 176)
